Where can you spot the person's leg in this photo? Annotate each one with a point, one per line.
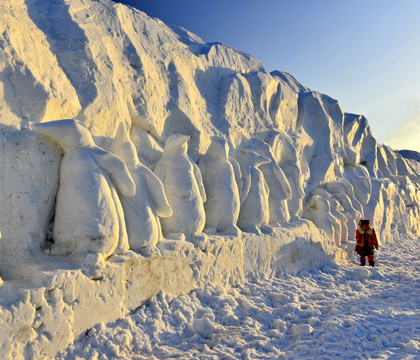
(362, 261)
(371, 259)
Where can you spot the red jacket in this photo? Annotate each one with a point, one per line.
(369, 234)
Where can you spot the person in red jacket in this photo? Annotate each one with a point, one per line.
(366, 242)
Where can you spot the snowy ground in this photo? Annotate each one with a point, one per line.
(338, 312)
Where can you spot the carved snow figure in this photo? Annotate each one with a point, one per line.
(350, 213)
(142, 210)
(343, 186)
(238, 175)
(343, 192)
(318, 210)
(339, 218)
(148, 149)
(88, 217)
(360, 179)
(287, 158)
(277, 182)
(254, 213)
(223, 201)
(342, 216)
(184, 188)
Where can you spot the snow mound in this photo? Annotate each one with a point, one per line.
(322, 314)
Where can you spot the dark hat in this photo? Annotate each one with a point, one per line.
(364, 222)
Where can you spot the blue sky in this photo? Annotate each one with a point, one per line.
(364, 53)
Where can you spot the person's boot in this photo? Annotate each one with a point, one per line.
(372, 263)
(362, 262)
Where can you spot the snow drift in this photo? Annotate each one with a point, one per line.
(104, 64)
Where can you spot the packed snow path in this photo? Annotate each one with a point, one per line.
(338, 312)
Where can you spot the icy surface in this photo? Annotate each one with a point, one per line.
(346, 312)
(50, 301)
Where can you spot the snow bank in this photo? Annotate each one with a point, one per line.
(343, 312)
(49, 302)
(295, 247)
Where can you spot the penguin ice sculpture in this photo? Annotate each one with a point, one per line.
(337, 211)
(287, 157)
(280, 190)
(184, 188)
(254, 213)
(88, 217)
(219, 178)
(342, 190)
(318, 210)
(142, 210)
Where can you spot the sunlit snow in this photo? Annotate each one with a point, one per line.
(337, 312)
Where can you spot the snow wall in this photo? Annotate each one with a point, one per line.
(104, 63)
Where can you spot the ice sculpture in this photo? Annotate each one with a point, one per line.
(359, 178)
(277, 182)
(287, 158)
(219, 178)
(184, 188)
(88, 217)
(338, 212)
(343, 192)
(318, 210)
(142, 210)
(254, 213)
(335, 214)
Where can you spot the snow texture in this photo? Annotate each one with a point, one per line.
(50, 301)
(288, 157)
(344, 312)
(305, 173)
(29, 176)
